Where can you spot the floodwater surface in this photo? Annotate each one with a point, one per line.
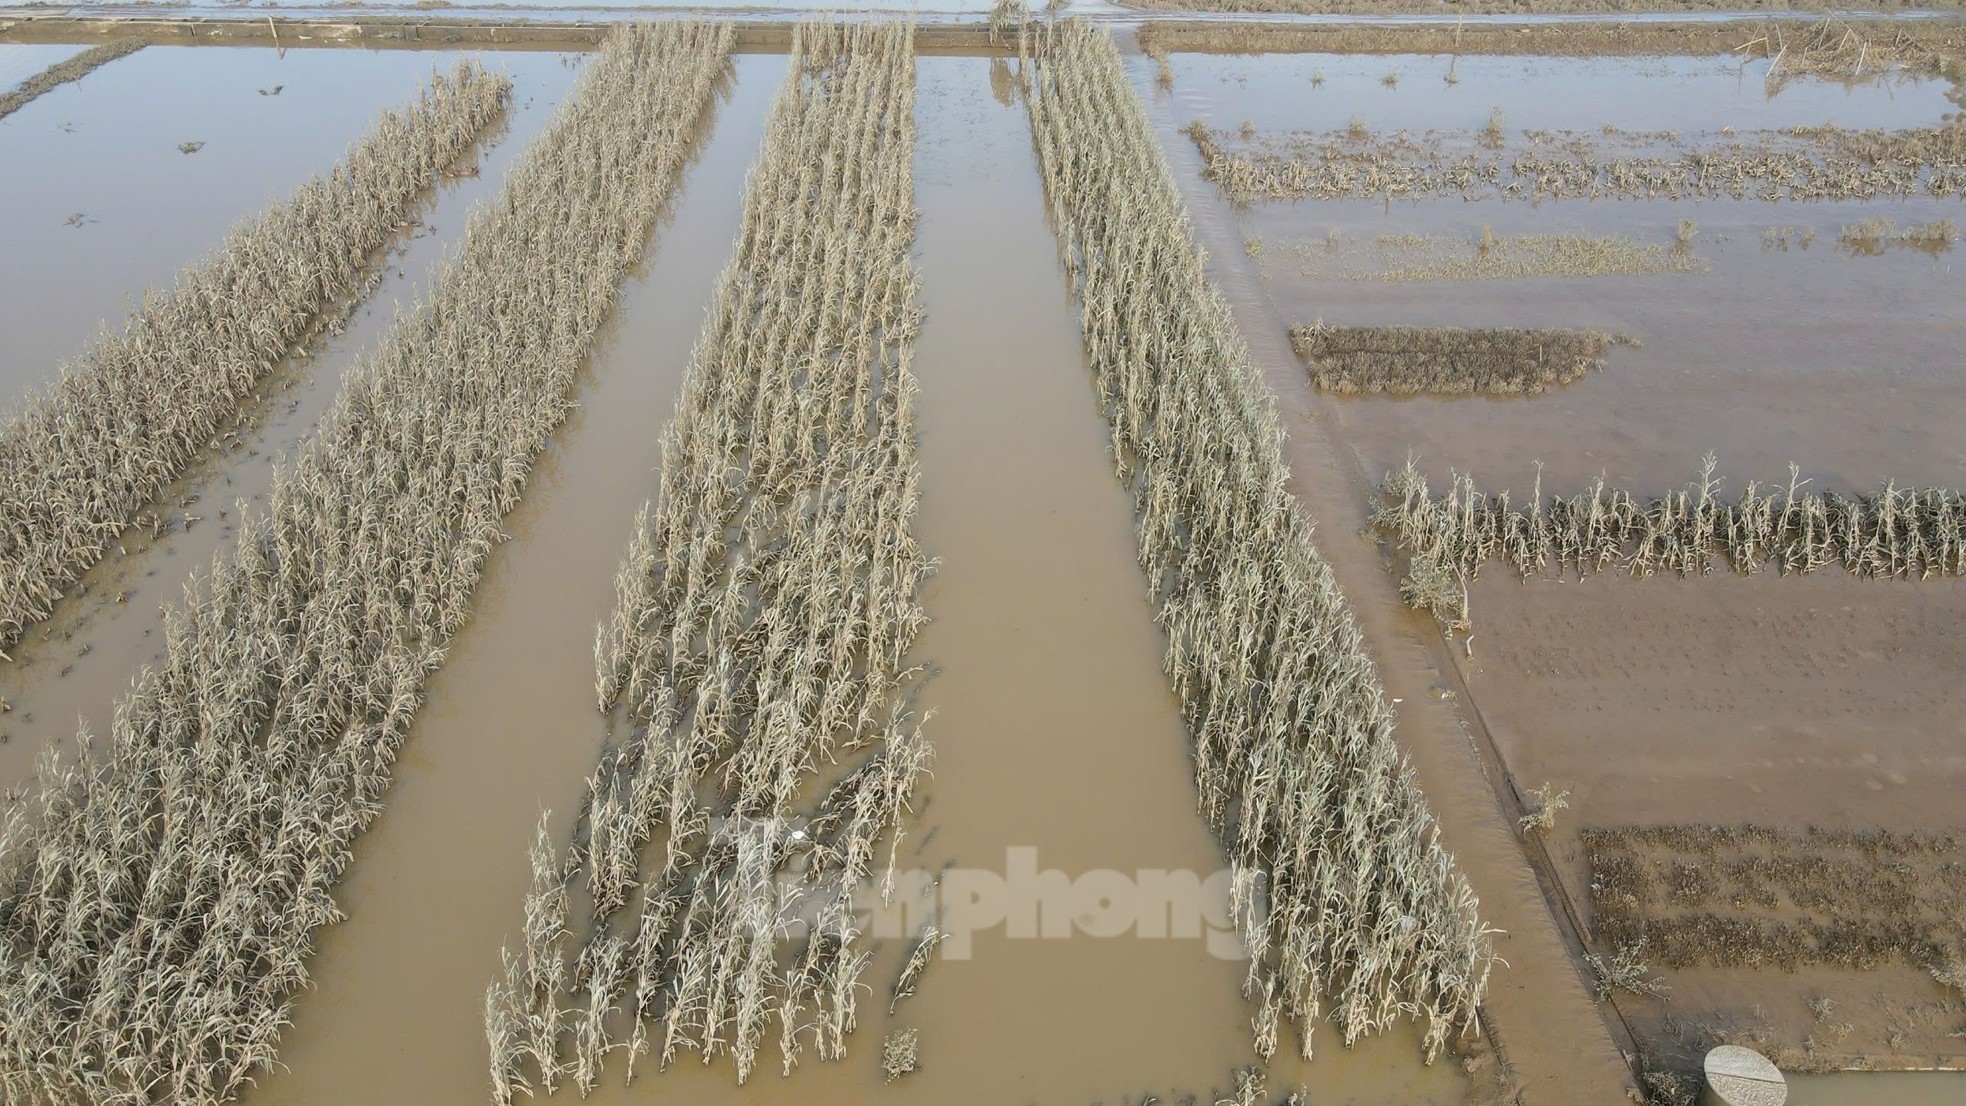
(508, 726)
(21, 60)
(72, 667)
(1325, 92)
(101, 206)
(1781, 701)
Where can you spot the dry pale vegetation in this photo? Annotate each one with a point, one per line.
(65, 71)
(1417, 258)
(1342, 891)
(1875, 235)
(1751, 896)
(756, 661)
(85, 457)
(1893, 533)
(1796, 163)
(1527, 7)
(1451, 360)
(159, 903)
(1840, 49)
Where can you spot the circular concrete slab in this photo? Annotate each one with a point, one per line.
(1739, 1076)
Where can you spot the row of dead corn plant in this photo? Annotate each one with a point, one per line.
(1892, 533)
(1796, 164)
(86, 456)
(1342, 891)
(65, 71)
(157, 913)
(755, 666)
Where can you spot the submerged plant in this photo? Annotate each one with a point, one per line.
(1342, 893)
(159, 905)
(1893, 533)
(125, 418)
(755, 667)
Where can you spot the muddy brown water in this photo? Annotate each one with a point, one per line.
(73, 666)
(1054, 726)
(1820, 700)
(106, 149)
(1055, 729)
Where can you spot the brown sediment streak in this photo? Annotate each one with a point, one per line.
(85, 457)
(66, 71)
(1342, 890)
(1411, 360)
(158, 907)
(765, 609)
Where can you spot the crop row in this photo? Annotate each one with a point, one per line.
(84, 458)
(1342, 891)
(158, 909)
(755, 666)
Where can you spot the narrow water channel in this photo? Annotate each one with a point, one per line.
(509, 725)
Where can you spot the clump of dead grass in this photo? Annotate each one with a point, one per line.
(1877, 234)
(1410, 360)
(900, 1053)
(1422, 258)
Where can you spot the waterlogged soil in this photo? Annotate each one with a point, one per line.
(70, 669)
(102, 206)
(1785, 702)
(1296, 92)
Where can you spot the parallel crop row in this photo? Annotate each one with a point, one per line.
(1342, 890)
(156, 917)
(66, 71)
(756, 661)
(125, 418)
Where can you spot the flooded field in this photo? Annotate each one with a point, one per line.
(1774, 333)
(1064, 763)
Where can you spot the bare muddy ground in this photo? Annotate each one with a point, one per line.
(1783, 702)
(74, 665)
(1819, 701)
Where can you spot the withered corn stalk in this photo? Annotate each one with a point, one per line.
(1342, 890)
(755, 666)
(1410, 360)
(1892, 533)
(156, 914)
(86, 456)
(66, 71)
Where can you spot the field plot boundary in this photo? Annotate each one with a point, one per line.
(801, 581)
(87, 454)
(159, 911)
